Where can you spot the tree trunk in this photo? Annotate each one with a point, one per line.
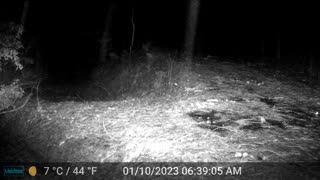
(25, 12)
(191, 27)
(106, 37)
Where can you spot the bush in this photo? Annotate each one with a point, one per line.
(10, 46)
(9, 94)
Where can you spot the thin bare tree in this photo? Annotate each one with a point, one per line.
(132, 37)
(105, 40)
(191, 27)
(25, 12)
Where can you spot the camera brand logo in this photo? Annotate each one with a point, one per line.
(13, 170)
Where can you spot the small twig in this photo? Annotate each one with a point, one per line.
(38, 102)
(100, 86)
(272, 152)
(183, 137)
(28, 83)
(16, 109)
(132, 37)
(102, 160)
(105, 130)
(170, 68)
(26, 101)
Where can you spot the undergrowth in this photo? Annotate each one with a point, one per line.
(150, 74)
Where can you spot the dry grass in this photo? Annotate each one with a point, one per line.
(254, 117)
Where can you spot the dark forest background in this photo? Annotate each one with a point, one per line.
(68, 32)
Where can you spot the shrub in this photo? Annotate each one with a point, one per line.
(9, 94)
(10, 46)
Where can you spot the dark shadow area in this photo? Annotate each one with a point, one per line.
(15, 146)
(295, 116)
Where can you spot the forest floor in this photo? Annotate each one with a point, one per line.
(229, 113)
